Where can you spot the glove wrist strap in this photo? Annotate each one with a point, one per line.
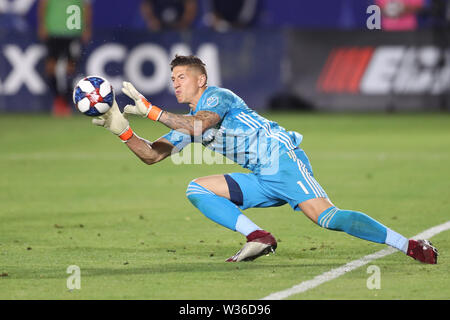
(154, 113)
(126, 135)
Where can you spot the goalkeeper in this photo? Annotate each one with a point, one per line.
(280, 172)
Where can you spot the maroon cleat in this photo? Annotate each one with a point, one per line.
(423, 251)
(259, 243)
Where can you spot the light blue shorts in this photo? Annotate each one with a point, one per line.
(293, 183)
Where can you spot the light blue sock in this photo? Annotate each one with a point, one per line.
(219, 209)
(362, 226)
(396, 240)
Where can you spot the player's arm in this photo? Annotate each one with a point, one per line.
(192, 125)
(145, 150)
(150, 152)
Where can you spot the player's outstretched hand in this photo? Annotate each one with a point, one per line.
(113, 120)
(142, 107)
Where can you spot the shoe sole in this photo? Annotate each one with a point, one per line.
(266, 251)
(253, 250)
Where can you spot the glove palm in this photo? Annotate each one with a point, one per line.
(142, 107)
(113, 120)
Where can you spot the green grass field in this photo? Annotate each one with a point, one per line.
(72, 194)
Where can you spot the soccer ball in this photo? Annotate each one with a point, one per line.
(93, 96)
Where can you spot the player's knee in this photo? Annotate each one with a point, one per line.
(191, 192)
(329, 219)
(190, 187)
(194, 189)
(198, 195)
(337, 219)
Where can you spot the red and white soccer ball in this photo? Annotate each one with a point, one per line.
(93, 96)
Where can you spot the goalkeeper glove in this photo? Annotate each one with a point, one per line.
(114, 121)
(142, 107)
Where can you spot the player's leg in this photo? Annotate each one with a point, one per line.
(355, 223)
(50, 74)
(55, 51)
(218, 198)
(71, 68)
(73, 54)
(306, 194)
(213, 197)
(314, 202)
(59, 103)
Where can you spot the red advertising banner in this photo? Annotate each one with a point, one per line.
(369, 70)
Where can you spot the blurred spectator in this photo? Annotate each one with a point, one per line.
(230, 14)
(399, 15)
(12, 16)
(438, 13)
(169, 14)
(63, 41)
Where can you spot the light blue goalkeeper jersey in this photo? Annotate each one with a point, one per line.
(241, 135)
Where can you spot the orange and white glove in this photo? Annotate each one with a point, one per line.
(115, 122)
(142, 107)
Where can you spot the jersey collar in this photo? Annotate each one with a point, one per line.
(202, 99)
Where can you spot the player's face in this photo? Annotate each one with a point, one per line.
(187, 83)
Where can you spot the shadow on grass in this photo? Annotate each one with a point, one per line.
(180, 266)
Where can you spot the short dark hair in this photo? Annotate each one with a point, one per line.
(191, 61)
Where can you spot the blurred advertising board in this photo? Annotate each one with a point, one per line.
(370, 70)
(249, 63)
(324, 70)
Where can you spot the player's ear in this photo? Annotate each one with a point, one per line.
(201, 80)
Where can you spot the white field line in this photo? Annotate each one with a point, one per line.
(337, 272)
